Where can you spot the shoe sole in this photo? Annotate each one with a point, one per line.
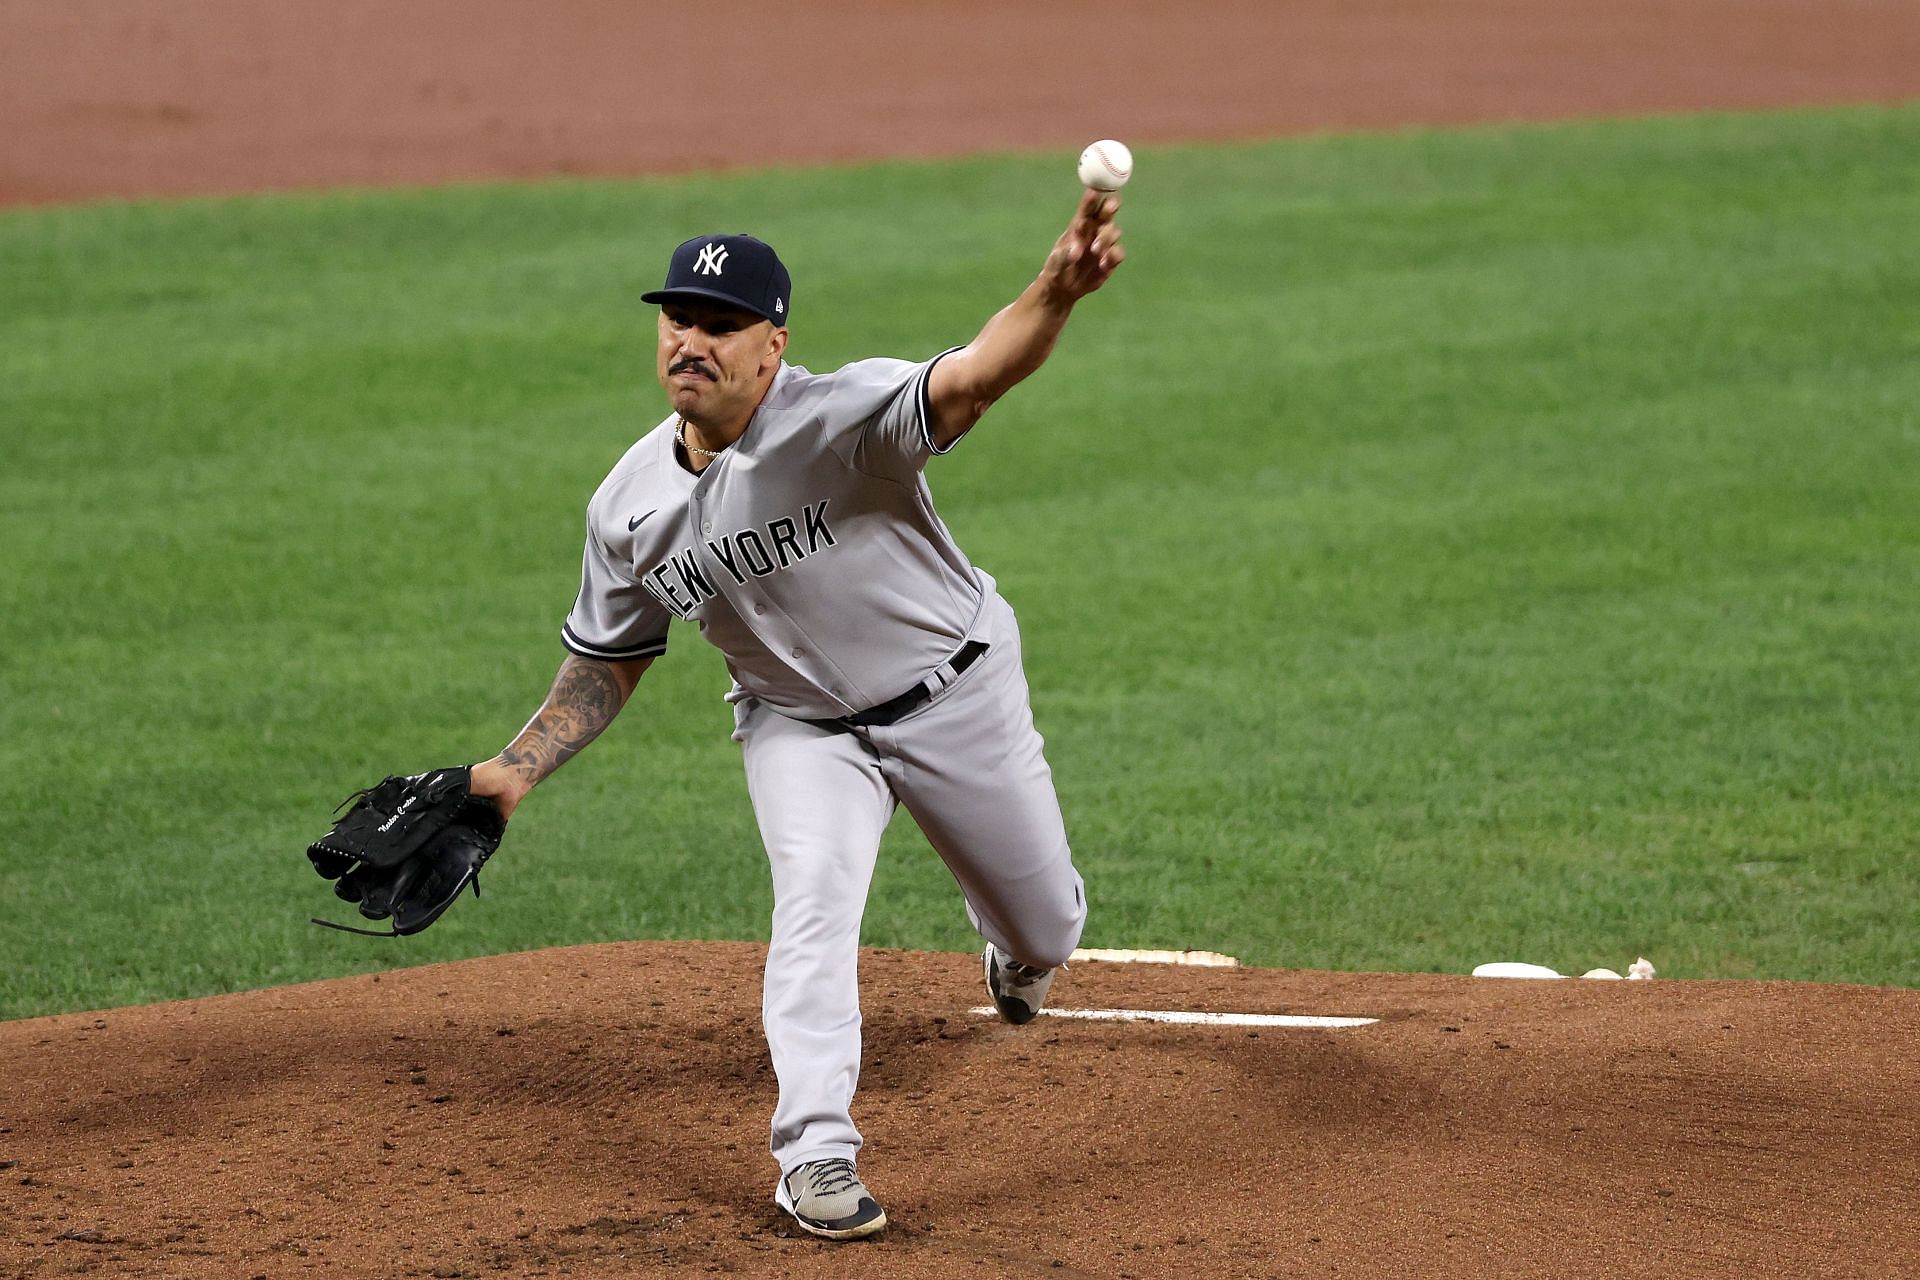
(858, 1231)
(1010, 1011)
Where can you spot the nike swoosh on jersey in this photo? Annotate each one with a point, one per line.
(635, 522)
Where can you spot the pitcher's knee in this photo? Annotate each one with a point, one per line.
(1049, 942)
(1051, 957)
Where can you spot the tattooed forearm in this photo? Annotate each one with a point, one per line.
(585, 698)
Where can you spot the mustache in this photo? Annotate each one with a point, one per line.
(696, 365)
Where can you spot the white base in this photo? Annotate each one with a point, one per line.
(1514, 969)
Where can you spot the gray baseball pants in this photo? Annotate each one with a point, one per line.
(969, 768)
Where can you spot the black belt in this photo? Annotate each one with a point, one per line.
(895, 709)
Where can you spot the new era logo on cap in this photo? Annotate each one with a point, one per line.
(734, 269)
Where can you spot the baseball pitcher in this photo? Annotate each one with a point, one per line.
(786, 515)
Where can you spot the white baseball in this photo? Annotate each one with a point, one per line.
(1106, 165)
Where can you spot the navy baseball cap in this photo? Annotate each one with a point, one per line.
(737, 270)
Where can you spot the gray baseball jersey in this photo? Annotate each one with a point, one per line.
(809, 553)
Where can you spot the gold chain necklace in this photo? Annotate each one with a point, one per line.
(680, 434)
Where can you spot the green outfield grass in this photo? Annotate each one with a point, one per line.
(1434, 548)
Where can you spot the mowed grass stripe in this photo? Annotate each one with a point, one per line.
(1434, 548)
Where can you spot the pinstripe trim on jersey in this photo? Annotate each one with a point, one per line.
(926, 404)
(648, 649)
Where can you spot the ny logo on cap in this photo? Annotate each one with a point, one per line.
(712, 259)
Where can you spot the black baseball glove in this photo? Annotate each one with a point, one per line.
(407, 847)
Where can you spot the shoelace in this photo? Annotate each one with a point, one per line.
(1023, 973)
(830, 1176)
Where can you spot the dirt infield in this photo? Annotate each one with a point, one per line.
(601, 1112)
(142, 97)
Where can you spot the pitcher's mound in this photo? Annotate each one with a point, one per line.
(602, 1111)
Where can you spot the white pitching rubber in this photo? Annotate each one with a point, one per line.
(1122, 955)
(1191, 1018)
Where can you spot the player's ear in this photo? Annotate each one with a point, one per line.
(776, 347)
